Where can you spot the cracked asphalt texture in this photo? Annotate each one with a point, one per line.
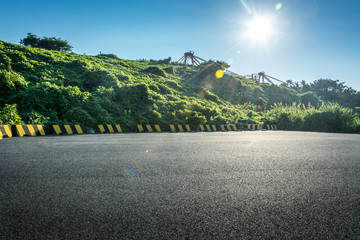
(234, 185)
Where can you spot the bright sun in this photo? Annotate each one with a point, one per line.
(259, 28)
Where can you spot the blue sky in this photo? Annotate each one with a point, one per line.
(309, 39)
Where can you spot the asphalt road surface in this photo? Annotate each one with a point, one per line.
(235, 185)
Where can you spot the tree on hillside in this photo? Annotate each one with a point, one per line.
(51, 43)
(331, 90)
(305, 87)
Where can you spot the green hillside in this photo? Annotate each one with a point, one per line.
(40, 86)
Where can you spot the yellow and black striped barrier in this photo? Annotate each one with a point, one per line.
(261, 127)
(271, 127)
(254, 126)
(67, 129)
(27, 130)
(214, 128)
(228, 127)
(108, 129)
(180, 128)
(5, 131)
(205, 128)
(148, 128)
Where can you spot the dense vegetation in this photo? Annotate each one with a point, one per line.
(53, 87)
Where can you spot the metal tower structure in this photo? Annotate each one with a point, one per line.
(191, 58)
(261, 77)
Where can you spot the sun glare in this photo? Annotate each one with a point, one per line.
(219, 74)
(259, 28)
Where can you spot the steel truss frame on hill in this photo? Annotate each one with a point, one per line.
(190, 58)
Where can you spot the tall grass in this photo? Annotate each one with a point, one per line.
(329, 117)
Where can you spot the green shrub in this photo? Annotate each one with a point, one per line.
(77, 66)
(35, 118)
(165, 61)
(328, 118)
(156, 70)
(78, 115)
(5, 61)
(172, 84)
(164, 89)
(92, 80)
(170, 70)
(309, 98)
(11, 81)
(132, 94)
(9, 115)
(105, 56)
(206, 94)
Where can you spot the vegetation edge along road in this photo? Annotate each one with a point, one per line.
(46, 87)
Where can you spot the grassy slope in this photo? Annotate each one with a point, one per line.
(51, 87)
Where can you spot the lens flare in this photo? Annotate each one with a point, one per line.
(130, 171)
(219, 74)
(278, 6)
(208, 86)
(246, 6)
